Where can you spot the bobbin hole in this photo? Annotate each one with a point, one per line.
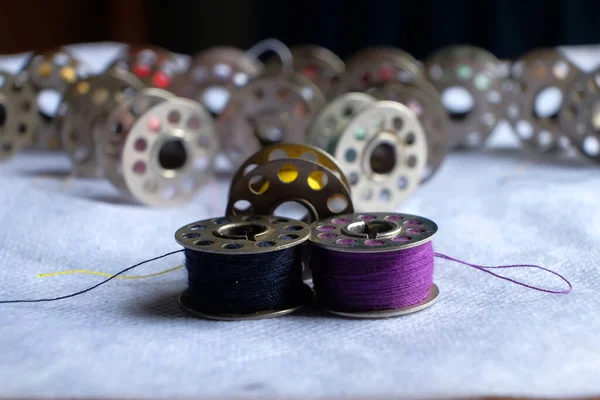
(2, 115)
(172, 155)
(373, 229)
(383, 158)
(248, 231)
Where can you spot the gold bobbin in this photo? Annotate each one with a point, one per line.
(475, 70)
(532, 73)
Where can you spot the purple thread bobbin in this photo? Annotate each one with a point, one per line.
(393, 248)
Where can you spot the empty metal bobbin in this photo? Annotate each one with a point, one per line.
(538, 74)
(242, 236)
(467, 79)
(214, 75)
(374, 233)
(424, 101)
(111, 136)
(580, 114)
(85, 107)
(268, 110)
(169, 153)
(18, 115)
(383, 152)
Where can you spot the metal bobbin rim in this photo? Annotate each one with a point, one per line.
(392, 312)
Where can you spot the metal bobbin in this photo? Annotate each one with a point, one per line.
(113, 133)
(153, 65)
(327, 126)
(214, 75)
(263, 189)
(247, 235)
(376, 65)
(375, 233)
(580, 114)
(474, 70)
(383, 152)
(268, 110)
(84, 109)
(18, 115)
(425, 102)
(50, 74)
(169, 153)
(533, 73)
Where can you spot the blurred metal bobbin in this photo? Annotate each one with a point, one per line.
(580, 114)
(85, 107)
(327, 126)
(111, 136)
(467, 78)
(541, 78)
(50, 74)
(383, 152)
(169, 153)
(214, 75)
(268, 110)
(424, 101)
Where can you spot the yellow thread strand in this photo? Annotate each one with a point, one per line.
(99, 273)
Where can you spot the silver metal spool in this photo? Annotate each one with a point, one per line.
(475, 70)
(113, 133)
(383, 152)
(375, 233)
(169, 153)
(18, 111)
(86, 105)
(237, 235)
(327, 126)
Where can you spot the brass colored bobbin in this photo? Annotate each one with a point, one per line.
(169, 153)
(375, 233)
(424, 102)
(18, 115)
(50, 74)
(214, 75)
(474, 70)
(85, 107)
(270, 109)
(537, 71)
(383, 152)
(111, 136)
(580, 114)
(239, 236)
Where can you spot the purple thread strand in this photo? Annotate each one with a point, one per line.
(487, 268)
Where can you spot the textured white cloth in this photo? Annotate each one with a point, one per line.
(129, 338)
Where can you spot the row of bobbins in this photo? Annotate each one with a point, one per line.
(216, 249)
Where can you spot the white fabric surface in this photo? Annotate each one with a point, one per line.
(129, 338)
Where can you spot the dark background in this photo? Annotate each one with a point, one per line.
(506, 27)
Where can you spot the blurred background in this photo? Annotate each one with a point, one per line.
(508, 28)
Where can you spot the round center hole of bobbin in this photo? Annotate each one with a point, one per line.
(458, 102)
(373, 229)
(172, 155)
(383, 158)
(2, 115)
(241, 231)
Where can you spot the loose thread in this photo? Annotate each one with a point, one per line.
(91, 287)
(100, 273)
(276, 46)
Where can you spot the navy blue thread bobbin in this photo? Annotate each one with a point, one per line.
(244, 267)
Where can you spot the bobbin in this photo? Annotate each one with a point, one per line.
(580, 114)
(169, 153)
(214, 75)
(153, 65)
(51, 72)
(375, 65)
(268, 110)
(110, 136)
(261, 190)
(375, 233)
(425, 102)
(18, 115)
(475, 70)
(327, 126)
(242, 235)
(85, 107)
(534, 72)
(383, 152)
